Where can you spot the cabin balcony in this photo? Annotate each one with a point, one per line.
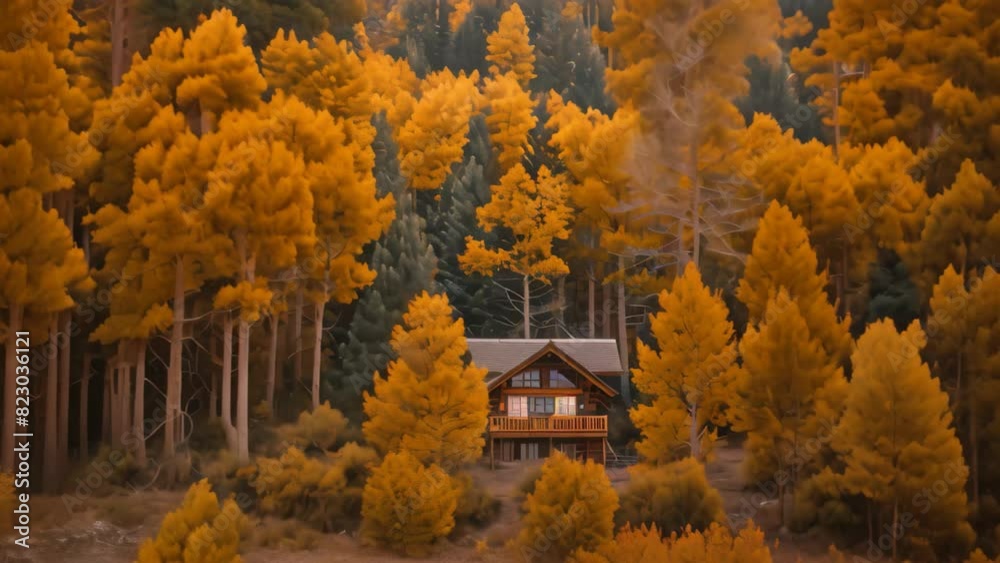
(555, 426)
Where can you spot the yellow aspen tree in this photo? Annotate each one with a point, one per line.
(578, 496)
(821, 195)
(154, 122)
(948, 326)
(258, 198)
(962, 227)
(536, 213)
(790, 396)
(431, 403)
(408, 506)
(509, 49)
(394, 85)
(344, 206)
(690, 374)
(899, 446)
(42, 156)
(686, 78)
(782, 257)
(612, 222)
(434, 137)
(983, 398)
(511, 119)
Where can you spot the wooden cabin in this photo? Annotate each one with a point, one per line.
(548, 395)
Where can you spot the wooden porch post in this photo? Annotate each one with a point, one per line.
(491, 452)
(604, 452)
(550, 445)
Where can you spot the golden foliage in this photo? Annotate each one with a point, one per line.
(671, 497)
(690, 376)
(323, 492)
(200, 531)
(714, 545)
(509, 48)
(407, 506)
(431, 403)
(572, 501)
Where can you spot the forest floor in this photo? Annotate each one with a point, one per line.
(113, 527)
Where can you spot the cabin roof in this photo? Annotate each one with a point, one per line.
(504, 356)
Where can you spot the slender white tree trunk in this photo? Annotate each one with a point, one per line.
(623, 334)
(227, 381)
(243, 393)
(272, 360)
(174, 374)
(694, 438)
(591, 304)
(317, 351)
(297, 333)
(527, 308)
(139, 407)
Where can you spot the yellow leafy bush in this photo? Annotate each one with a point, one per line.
(572, 507)
(200, 531)
(407, 507)
(320, 428)
(324, 492)
(671, 496)
(714, 545)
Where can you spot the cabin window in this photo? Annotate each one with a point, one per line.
(529, 378)
(517, 406)
(541, 405)
(559, 380)
(566, 406)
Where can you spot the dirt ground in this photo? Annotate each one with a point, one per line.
(112, 528)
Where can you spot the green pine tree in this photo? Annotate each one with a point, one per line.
(405, 265)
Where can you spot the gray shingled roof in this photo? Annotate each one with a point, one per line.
(500, 355)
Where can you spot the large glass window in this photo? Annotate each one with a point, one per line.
(529, 378)
(541, 405)
(517, 406)
(559, 380)
(566, 406)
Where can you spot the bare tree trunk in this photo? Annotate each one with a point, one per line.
(50, 473)
(106, 417)
(623, 334)
(64, 384)
(317, 351)
(591, 304)
(605, 311)
(174, 374)
(974, 444)
(895, 523)
(84, 400)
(139, 407)
(243, 392)
(272, 361)
(527, 308)
(297, 333)
(125, 396)
(227, 381)
(15, 314)
(836, 111)
(213, 378)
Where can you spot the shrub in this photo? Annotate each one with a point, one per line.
(671, 496)
(527, 485)
(198, 532)
(319, 429)
(408, 507)
(714, 545)
(819, 500)
(324, 492)
(475, 506)
(979, 557)
(574, 502)
(7, 498)
(287, 535)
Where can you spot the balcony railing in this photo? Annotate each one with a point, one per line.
(595, 425)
